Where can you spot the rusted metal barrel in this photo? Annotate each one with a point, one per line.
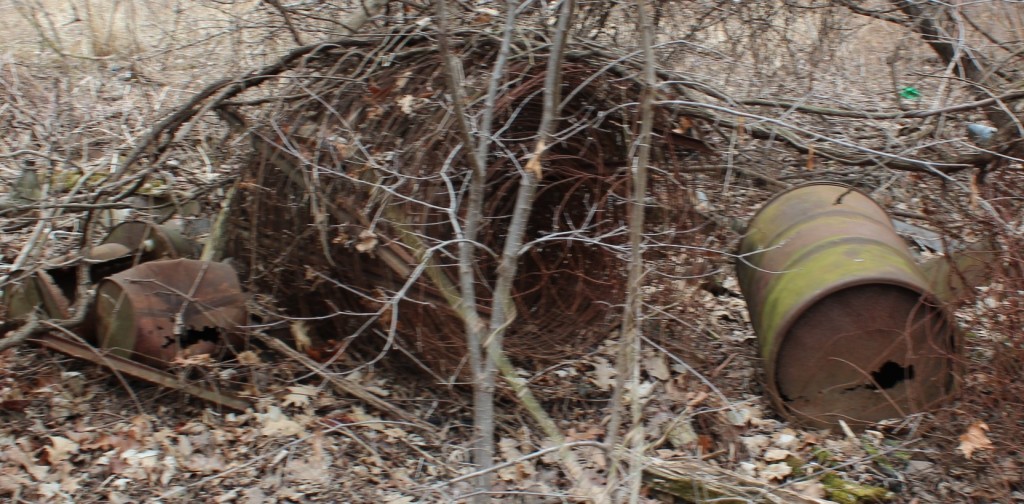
(162, 310)
(847, 326)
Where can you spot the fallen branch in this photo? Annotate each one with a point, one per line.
(903, 114)
(342, 386)
(695, 481)
(138, 370)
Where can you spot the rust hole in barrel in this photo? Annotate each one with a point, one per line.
(194, 336)
(865, 353)
(890, 375)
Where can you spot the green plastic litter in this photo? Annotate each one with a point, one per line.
(910, 93)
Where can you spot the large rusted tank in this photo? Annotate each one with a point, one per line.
(847, 325)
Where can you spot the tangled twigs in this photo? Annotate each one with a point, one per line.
(161, 136)
(698, 100)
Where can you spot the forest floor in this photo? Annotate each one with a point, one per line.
(74, 432)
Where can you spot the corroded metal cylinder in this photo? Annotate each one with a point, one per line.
(847, 325)
(160, 311)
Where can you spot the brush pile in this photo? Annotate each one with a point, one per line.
(346, 215)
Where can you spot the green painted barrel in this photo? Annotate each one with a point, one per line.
(847, 325)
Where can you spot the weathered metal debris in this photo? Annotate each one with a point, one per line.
(848, 325)
(31, 291)
(954, 275)
(151, 241)
(350, 189)
(151, 307)
(52, 288)
(160, 311)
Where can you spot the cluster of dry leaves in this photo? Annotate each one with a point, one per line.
(72, 433)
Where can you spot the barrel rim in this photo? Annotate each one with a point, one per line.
(931, 300)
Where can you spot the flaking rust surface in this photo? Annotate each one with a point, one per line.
(162, 310)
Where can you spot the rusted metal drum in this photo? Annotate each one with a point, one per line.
(162, 310)
(847, 326)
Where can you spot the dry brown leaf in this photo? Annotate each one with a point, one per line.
(358, 415)
(695, 399)
(300, 395)
(409, 104)
(367, 241)
(777, 471)
(312, 470)
(15, 454)
(60, 449)
(203, 464)
(142, 427)
(110, 441)
(786, 439)
(739, 416)
(656, 366)
(812, 489)
(603, 374)
(301, 335)
(533, 165)
(682, 434)
(755, 444)
(115, 497)
(274, 423)
(10, 483)
(70, 484)
(185, 360)
(170, 468)
(249, 358)
(974, 439)
(509, 449)
(394, 434)
(49, 491)
(592, 432)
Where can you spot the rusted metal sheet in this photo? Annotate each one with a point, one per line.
(53, 288)
(158, 311)
(29, 292)
(150, 241)
(848, 327)
(955, 275)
